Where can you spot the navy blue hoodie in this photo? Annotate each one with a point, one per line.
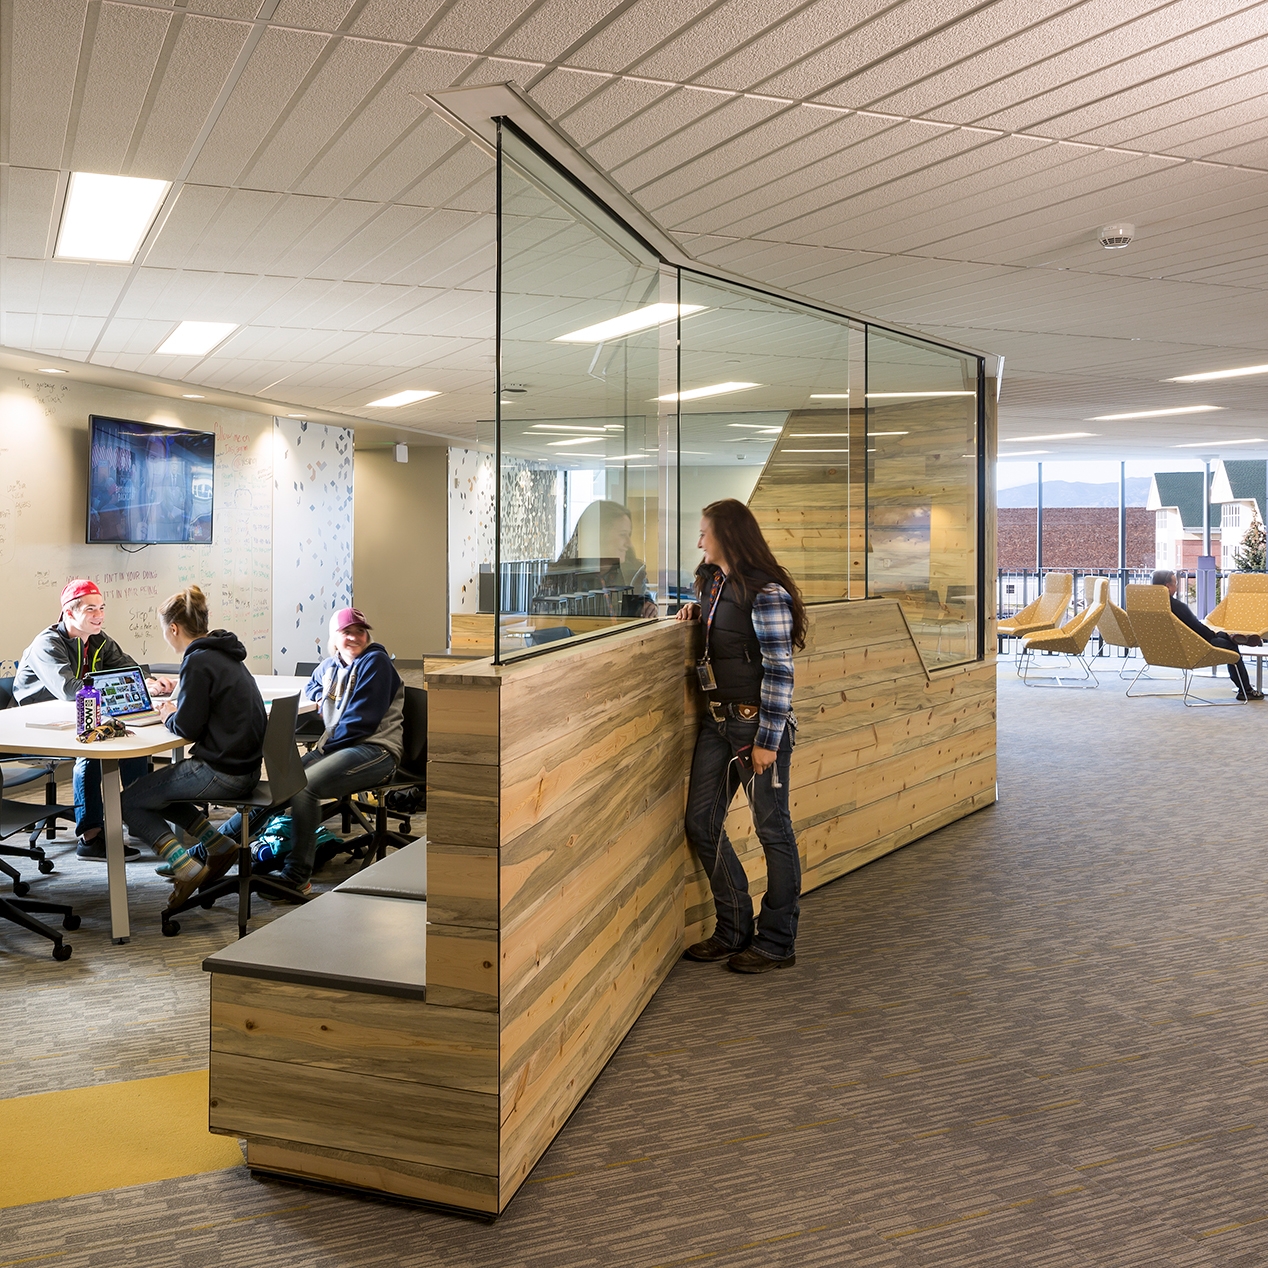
(219, 707)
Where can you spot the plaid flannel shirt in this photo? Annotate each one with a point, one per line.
(772, 623)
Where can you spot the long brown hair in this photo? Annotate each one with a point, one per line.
(188, 608)
(740, 537)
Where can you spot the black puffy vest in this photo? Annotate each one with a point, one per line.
(733, 649)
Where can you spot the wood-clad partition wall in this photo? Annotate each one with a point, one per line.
(561, 889)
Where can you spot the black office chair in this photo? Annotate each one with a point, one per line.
(24, 768)
(19, 816)
(411, 772)
(310, 728)
(286, 777)
(547, 634)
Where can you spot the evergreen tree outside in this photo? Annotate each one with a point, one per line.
(1250, 555)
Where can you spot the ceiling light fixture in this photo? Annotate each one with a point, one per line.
(829, 396)
(1155, 413)
(106, 218)
(714, 389)
(890, 396)
(193, 396)
(400, 398)
(755, 426)
(196, 338)
(1056, 435)
(889, 433)
(1024, 453)
(576, 440)
(821, 451)
(1219, 374)
(630, 323)
(297, 416)
(564, 427)
(52, 369)
(1219, 444)
(820, 435)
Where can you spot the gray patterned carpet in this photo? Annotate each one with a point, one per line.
(1038, 1037)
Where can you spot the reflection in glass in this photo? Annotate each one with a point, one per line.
(922, 410)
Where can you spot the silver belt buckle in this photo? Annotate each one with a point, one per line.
(717, 711)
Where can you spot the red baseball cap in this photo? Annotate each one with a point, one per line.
(346, 617)
(80, 588)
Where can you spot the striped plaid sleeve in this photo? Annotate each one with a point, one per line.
(772, 623)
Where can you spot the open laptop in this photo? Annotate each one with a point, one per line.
(125, 696)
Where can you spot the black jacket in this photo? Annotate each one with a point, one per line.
(1183, 612)
(219, 707)
(53, 667)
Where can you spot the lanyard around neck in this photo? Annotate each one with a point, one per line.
(82, 646)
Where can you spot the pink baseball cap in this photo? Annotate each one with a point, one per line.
(346, 617)
(80, 588)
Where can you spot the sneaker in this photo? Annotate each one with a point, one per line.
(303, 889)
(1254, 695)
(96, 849)
(183, 888)
(751, 961)
(709, 950)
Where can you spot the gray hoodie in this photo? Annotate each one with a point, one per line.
(53, 667)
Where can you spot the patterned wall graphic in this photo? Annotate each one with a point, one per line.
(312, 536)
(43, 472)
(470, 525)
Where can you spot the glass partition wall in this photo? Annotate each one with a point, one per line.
(631, 393)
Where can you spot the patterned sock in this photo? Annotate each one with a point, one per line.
(211, 840)
(184, 866)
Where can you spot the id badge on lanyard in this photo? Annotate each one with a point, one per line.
(704, 667)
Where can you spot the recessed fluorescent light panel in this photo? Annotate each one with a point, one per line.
(1219, 374)
(400, 398)
(1219, 444)
(49, 369)
(1156, 413)
(193, 396)
(714, 389)
(196, 338)
(630, 323)
(894, 396)
(829, 396)
(888, 433)
(106, 218)
(565, 427)
(576, 440)
(1056, 435)
(1023, 453)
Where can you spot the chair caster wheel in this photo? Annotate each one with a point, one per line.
(46, 866)
(171, 928)
(21, 888)
(207, 904)
(70, 922)
(62, 950)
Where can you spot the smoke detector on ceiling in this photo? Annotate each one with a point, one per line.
(1115, 237)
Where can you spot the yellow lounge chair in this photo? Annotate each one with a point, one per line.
(1244, 607)
(1165, 641)
(1116, 630)
(1044, 612)
(1071, 639)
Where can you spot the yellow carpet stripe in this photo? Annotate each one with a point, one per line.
(88, 1140)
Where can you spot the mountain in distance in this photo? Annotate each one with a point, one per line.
(1076, 493)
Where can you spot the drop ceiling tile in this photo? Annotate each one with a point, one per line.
(29, 195)
(632, 35)
(200, 62)
(477, 28)
(358, 258)
(401, 175)
(196, 208)
(1203, 135)
(461, 260)
(1253, 154)
(224, 8)
(236, 220)
(17, 329)
(729, 120)
(43, 61)
(289, 219)
(125, 51)
(449, 185)
(619, 102)
(271, 78)
(553, 26)
(395, 19)
(318, 15)
(667, 116)
(560, 90)
(467, 314)
(341, 85)
(329, 232)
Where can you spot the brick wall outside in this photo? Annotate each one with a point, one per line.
(1075, 537)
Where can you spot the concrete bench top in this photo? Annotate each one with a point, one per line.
(400, 874)
(355, 942)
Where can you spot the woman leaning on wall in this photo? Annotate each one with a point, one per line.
(753, 620)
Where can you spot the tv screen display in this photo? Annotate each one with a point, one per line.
(148, 485)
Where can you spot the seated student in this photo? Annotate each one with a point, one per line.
(362, 704)
(53, 668)
(218, 707)
(1217, 638)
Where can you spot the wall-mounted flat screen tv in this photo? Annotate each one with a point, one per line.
(148, 485)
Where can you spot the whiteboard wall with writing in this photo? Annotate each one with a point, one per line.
(43, 507)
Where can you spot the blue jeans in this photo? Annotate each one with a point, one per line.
(89, 813)
(714, 781)
(169, 793)
(330, 775)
